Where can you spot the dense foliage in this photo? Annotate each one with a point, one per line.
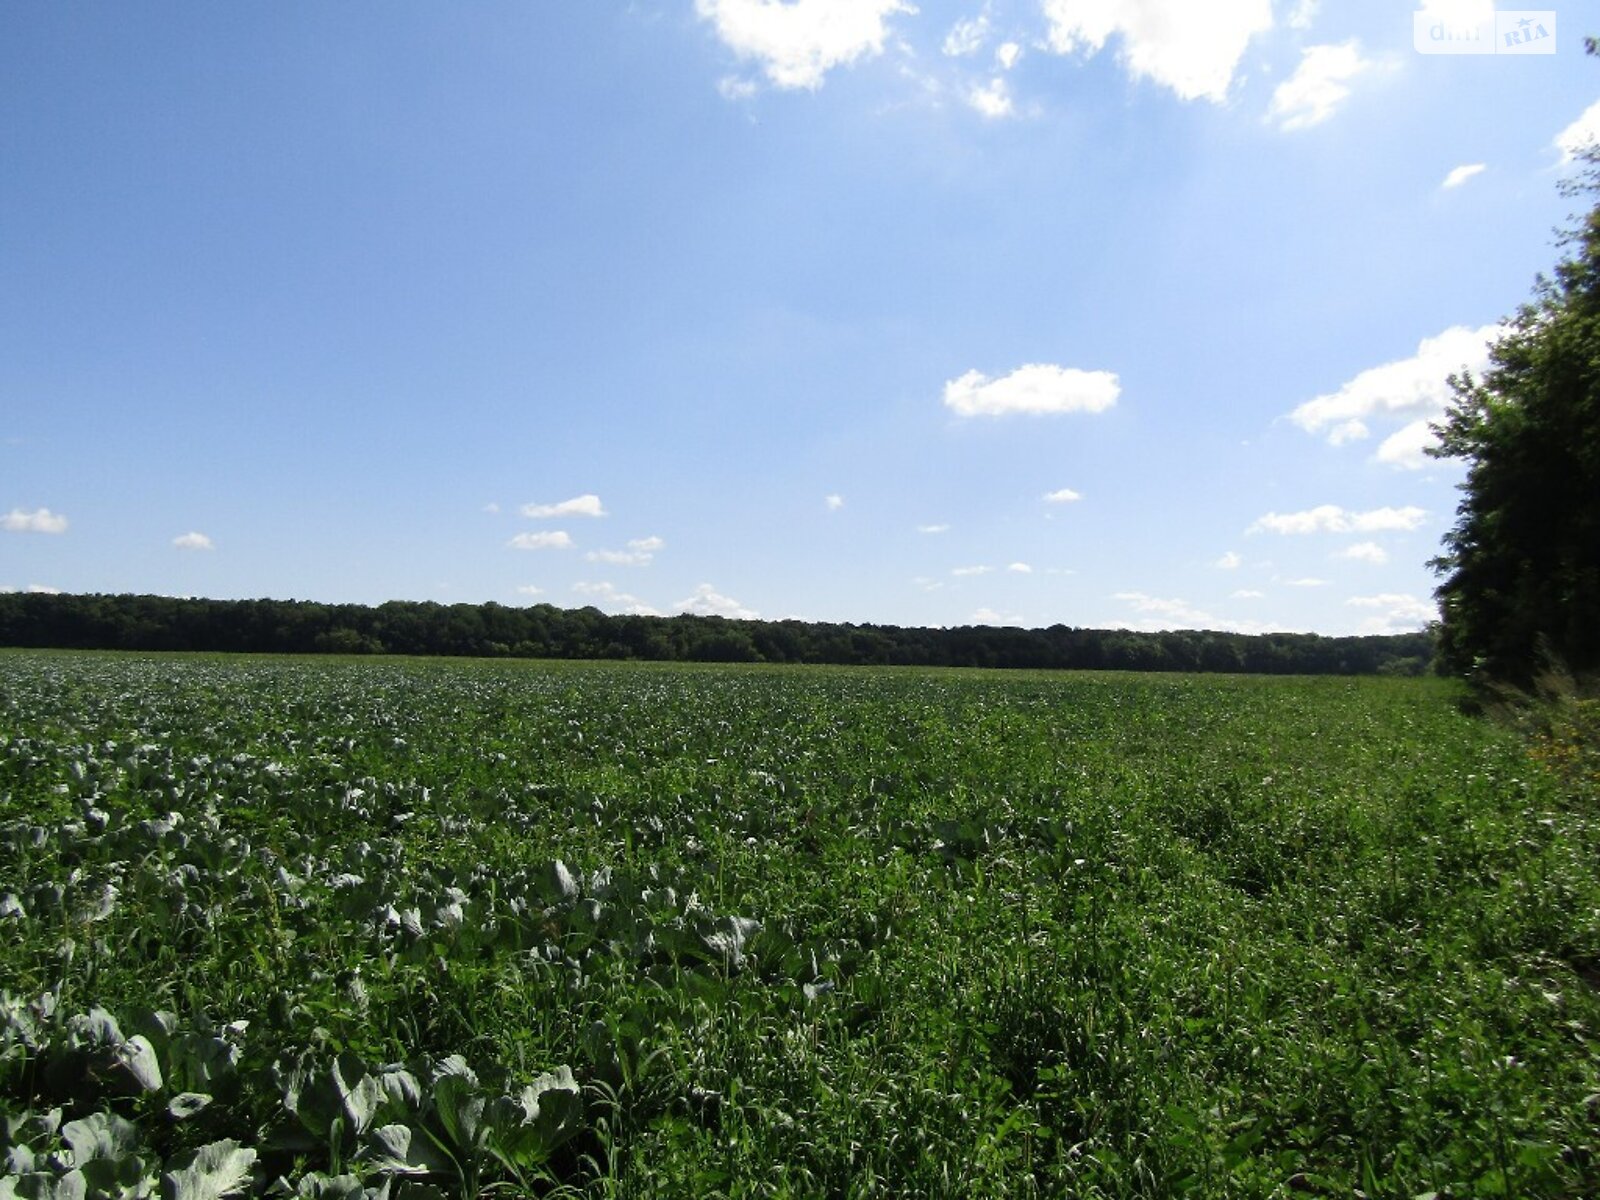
(338, 928)
(1523, 561)
(543, 631)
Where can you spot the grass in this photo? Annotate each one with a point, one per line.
(812, 931)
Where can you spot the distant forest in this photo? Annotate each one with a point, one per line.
(98, 622)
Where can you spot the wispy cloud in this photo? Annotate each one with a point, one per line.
(551, 540)
(833, 502)
(1330, 518)
(528, 589)
(933, 529)
(1319, 85)
(1231, 561)
(606, 596)
(641, 552)
(1459, 175)
(587, 505)
(40, 520)
(962, 572)
(1192, 48)
(1580, 135)
(798, 43)
(967, 36)
(193, 541)
(1036, 388)
(992, 99)
(1394, 612)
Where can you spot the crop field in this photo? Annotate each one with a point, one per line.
(419, 928)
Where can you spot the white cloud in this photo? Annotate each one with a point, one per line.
(620, 558)
(992, 99)
(491, 507)
(1414, 388)
(606, 596)
(1034, 388)
(1304, 14)
(799, 42)
(43, 589)
(1582, 133)
(553, 540)
(193, 541)
(1020, 568)
(988, 616)
(1330, 518)
(1398, 612)
(1062, 496)
(964, 571)
(933, 529)
(1319, 85)
(587, 505)
(834, 502)
(1368, 552)
(967, 36)
(1246, 594)
(1189, 47)
(40, 520)
(1231, 561)
(1007, 54)
(528, 589)
(641, 552)
(1459, 175)
(708, 602)
(1408, 447)
(1303, 583)
(731, 87)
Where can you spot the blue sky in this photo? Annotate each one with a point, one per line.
(1102, 312)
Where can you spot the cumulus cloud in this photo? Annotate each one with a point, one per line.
(834, 502)
(43, 589)
(1231, 561)
(1319, 85)
(607, 597)
(40, 520)
(799, 42)
(1394, 612)
(992, 99)
(1034, 388)
(1007, 54)
(1459, 175)
(193, 541)
(708, 602)
(1415, 390)
(1062, 496)
(1581, 134)
(1159, 612)
(967, 36)
(587, 505)
(552, 540)
(1020, 568)
(1367, 552)
(1330, 518)
(1194, 49)
(933, 529)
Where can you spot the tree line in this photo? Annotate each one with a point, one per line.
(126, 622)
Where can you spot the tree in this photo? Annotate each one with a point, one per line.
(1522, 564)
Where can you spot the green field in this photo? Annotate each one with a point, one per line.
(335, 928)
